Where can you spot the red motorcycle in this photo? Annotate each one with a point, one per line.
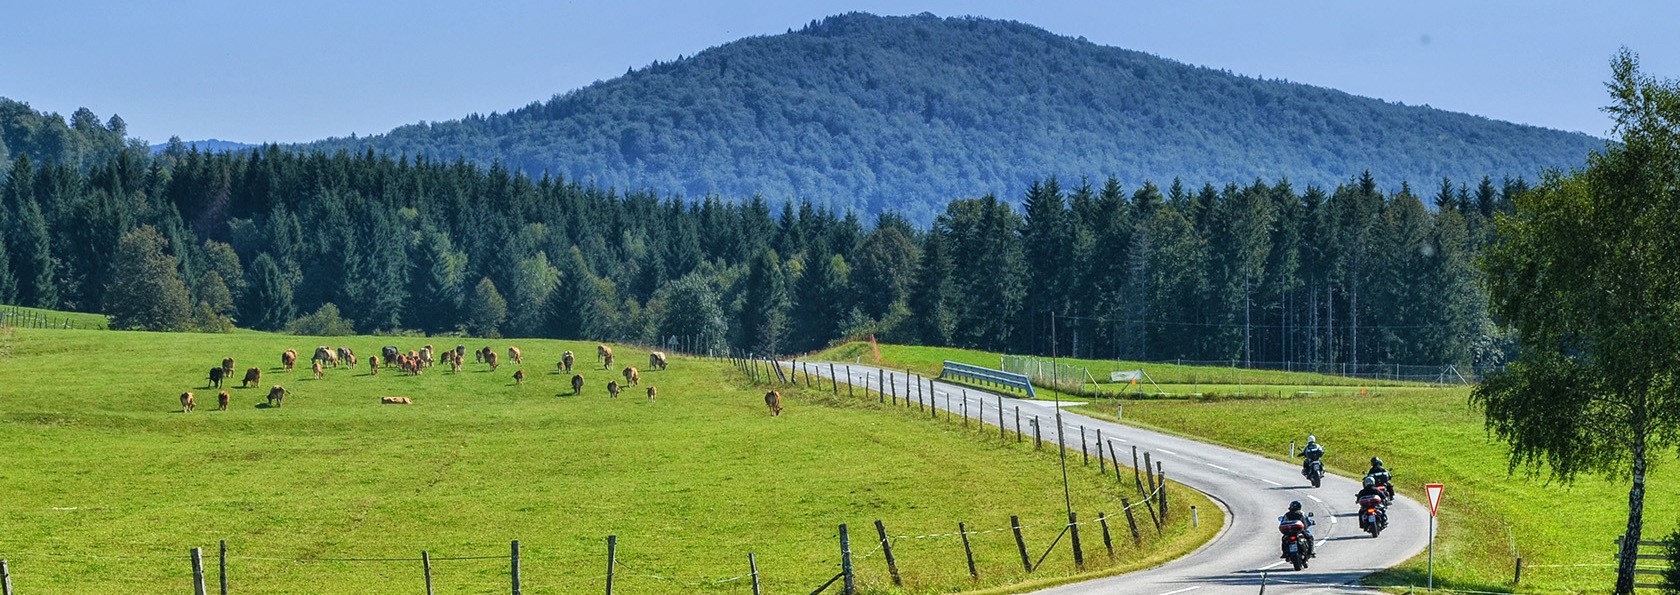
(1373, 516)
(1297, 546)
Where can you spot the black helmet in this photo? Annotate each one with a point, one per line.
(1376, 462)
(1295, 506)
(1370, 482)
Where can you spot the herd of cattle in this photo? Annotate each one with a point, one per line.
(415, 362)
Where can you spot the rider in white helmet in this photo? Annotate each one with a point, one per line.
(1310, 453)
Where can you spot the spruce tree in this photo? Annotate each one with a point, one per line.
(764, 315)
(267, 304)
(487, 310)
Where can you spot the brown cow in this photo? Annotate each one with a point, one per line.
(325, 355)
(216, 375)
(519, 377)
(373, 365)
(773, 400)
(454, 363)
(396, 401)
(656, 360)
(652, 390)
(347, 356)
(602, 351)
(461, 353)
(227, 367)
(632, 376)
(606, 364)
(187, 403)
(252, 376)
(222, 399)
(277, 394)
(490, 358)
(478, 356)
(612, 389)
(515, 355)
(426, 356)
(567, 358)
(289, 359)
(350, 360)
(577, 384)
(316, 368)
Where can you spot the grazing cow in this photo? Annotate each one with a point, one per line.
(656, 360)
(461, 353)
(519, 377)
(515, 355)
(454, 363)
(373, 364)
(187, 403)
(252, 376)
(316, 368)
(289, 359)
(478, 356)
(490, 358)
(216, 375)
(606, 363)
(227, 367)
(602, 351)
(652, 390)
(325, 355)
(222, 399)
(773, 400)
(426, 356)
(277, 394)
(396, 401)
(350, 360)
(632, 376)
(390, 352)
(347, 356)
(612, 389)
(567, 358)
(577, 384)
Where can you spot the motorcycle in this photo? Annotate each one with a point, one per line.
(1373, 515)
(1314, 471)
(1297, 546)
(1383, 481)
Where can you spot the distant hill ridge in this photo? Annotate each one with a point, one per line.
(906, 113)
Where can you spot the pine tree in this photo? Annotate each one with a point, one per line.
(933, 294)
(145, 292)
(764, 315)
(487, 310)
(819, 302)
(33, 260)
(438, 283)
(268, 299)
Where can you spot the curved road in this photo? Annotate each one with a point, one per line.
(1253, 490)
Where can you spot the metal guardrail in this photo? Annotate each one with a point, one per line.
(987, 376)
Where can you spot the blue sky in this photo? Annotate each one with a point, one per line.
(296, 71)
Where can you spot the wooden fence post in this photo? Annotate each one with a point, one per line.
(967, 551)
(1116, 458)
(612, 557)
(1018, 424)
(1516, 580)
(1108, 542)
(1135, 477)
(849, 585)
(895, 392)
(886, 548)
(1038, 442)
(1150, 506)
(881, 385)
(1131, 521)
(1148, 471)
(752, 562)
(426, 567)
(515, 559)
(834, 381)
(6, 572)
(198, 571)
(1073, 527)
(1084, 449)
(1020, 542)
(222, 567)
(1163, 483)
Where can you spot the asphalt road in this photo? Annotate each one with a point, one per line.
(1253, 490)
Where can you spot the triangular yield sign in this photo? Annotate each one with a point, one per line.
(1434, 490)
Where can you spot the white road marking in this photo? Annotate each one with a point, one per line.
(1217, 467)
(1332, 520)
(1165, 451)
(1315, 498)
(1273, 565)
(1270, 481)
(1180, 590)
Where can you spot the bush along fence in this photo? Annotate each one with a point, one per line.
(1145, 513)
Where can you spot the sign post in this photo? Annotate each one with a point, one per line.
(1434, 490)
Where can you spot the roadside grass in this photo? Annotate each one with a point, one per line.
(929, 360)
(107, 485)
(1489, 515)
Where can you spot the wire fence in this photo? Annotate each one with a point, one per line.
(18, 317)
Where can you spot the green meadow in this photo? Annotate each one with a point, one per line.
(1565, 534)
(107, 484)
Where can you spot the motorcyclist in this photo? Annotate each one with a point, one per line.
(1310, 454)
(1381, 476)
(1370, 489)
(1295, 514)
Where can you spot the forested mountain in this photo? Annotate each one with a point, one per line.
(274, 239)
(906, 113)
(211, 145)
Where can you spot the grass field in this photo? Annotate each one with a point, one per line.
(22, 317)
(1565, 534)
(107, 485)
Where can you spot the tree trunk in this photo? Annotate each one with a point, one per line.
(1628, 556)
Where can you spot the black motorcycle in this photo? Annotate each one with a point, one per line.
(1313, 469)
(1297, 546)
(1384, 482)
(1373, 515)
